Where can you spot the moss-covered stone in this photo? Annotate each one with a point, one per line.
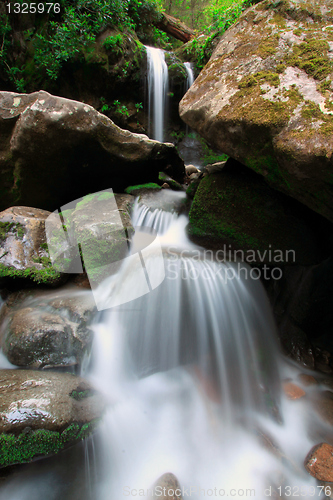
(135, 189)
(24, 252)
(237, 206)
(30, 445)
(265, 98)
(33, 426)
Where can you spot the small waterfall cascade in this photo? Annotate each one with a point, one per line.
(190, 75)
(194, 371)
(158, 85)
(193, 376)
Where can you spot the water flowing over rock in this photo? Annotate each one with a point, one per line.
(53, 150)
(47, 330)
(43, 413)
(158, 87)
(264, 98)
(23, 247)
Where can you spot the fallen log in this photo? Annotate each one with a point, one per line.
(174, 27)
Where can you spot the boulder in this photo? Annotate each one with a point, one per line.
(302, 301)
(101, 224)
(23, 247)
(43, 413)
(167, 486)
(191, 169)
(235, 206)
(265, 98)
(47, 330)
(319, 462)
(53, 150)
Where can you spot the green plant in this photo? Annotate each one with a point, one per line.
(138, 106)
(120, 109)
(114, 42)
(105, 107)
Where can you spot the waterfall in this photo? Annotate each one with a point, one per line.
(190, 75)
(193, 375)
(157, 71)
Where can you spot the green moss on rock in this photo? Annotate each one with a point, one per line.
(312, 56)
(48, 275)
(149, 185)
(236, 205)
(32, 444)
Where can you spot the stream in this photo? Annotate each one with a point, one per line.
(193, 376)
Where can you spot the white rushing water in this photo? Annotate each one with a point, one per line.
(158, 83)
(190, 75)
(193, 375)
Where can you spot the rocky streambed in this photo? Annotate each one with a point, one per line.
(264, 98)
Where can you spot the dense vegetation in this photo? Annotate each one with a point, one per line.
(40, 44)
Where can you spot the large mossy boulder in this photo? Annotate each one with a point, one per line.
(265, 98)
(234, 208)
(23, 248)
(43, 413)
(53, 150)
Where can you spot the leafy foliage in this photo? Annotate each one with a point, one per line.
(55, 39)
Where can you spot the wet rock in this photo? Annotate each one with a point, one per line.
(303, 306)
(319, 462)
(43, 413)
(236, 206)
(293, 391)
(23, 247)
(263, 98)
(215, 167)
(195, 176)
(165, 186)
(167, 487)
(47, 330)
(54, 150)
(191, 169)
(101, 223)
(171, 182)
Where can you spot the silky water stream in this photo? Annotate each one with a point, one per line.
(193, 374)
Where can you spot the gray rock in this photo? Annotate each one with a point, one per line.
(191, 169)
(47, 330)
(265, 96)
(23, 247)
(167, 486)
(43, 413)
(54, 150)
(215, 167)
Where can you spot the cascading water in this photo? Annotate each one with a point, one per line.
(158, 84)
(190, 75)
(193, 374)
